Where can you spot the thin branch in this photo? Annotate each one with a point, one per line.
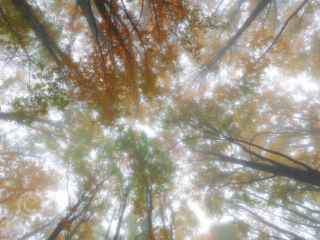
(276, 39)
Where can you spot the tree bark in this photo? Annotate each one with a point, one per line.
(123, 209)
(39, 29)
(94, 27)
(307, 176)
(232, 41)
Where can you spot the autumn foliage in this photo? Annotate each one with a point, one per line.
(159, 119)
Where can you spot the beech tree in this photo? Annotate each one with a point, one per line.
(159, 119)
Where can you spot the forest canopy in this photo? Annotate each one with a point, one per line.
(159, 119)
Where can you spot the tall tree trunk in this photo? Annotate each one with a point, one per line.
(123, 209)
(39, 29)
(162, 214)
(94, 27)
(106, 237)
(172, 222)
(307, 176)
(149, 209)
(216, 58)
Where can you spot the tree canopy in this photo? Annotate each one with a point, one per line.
(159, 119)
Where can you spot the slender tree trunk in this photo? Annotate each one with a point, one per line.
(245, 25)
(30, 234)
(123, 209)
(310, 219)
(112, 217)
(94, 27)
(172, 223)
(39, 29)
(307, 176)
(162, 214)
(149, 209)
(271, 225)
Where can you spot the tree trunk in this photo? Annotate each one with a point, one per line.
(123, 209)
